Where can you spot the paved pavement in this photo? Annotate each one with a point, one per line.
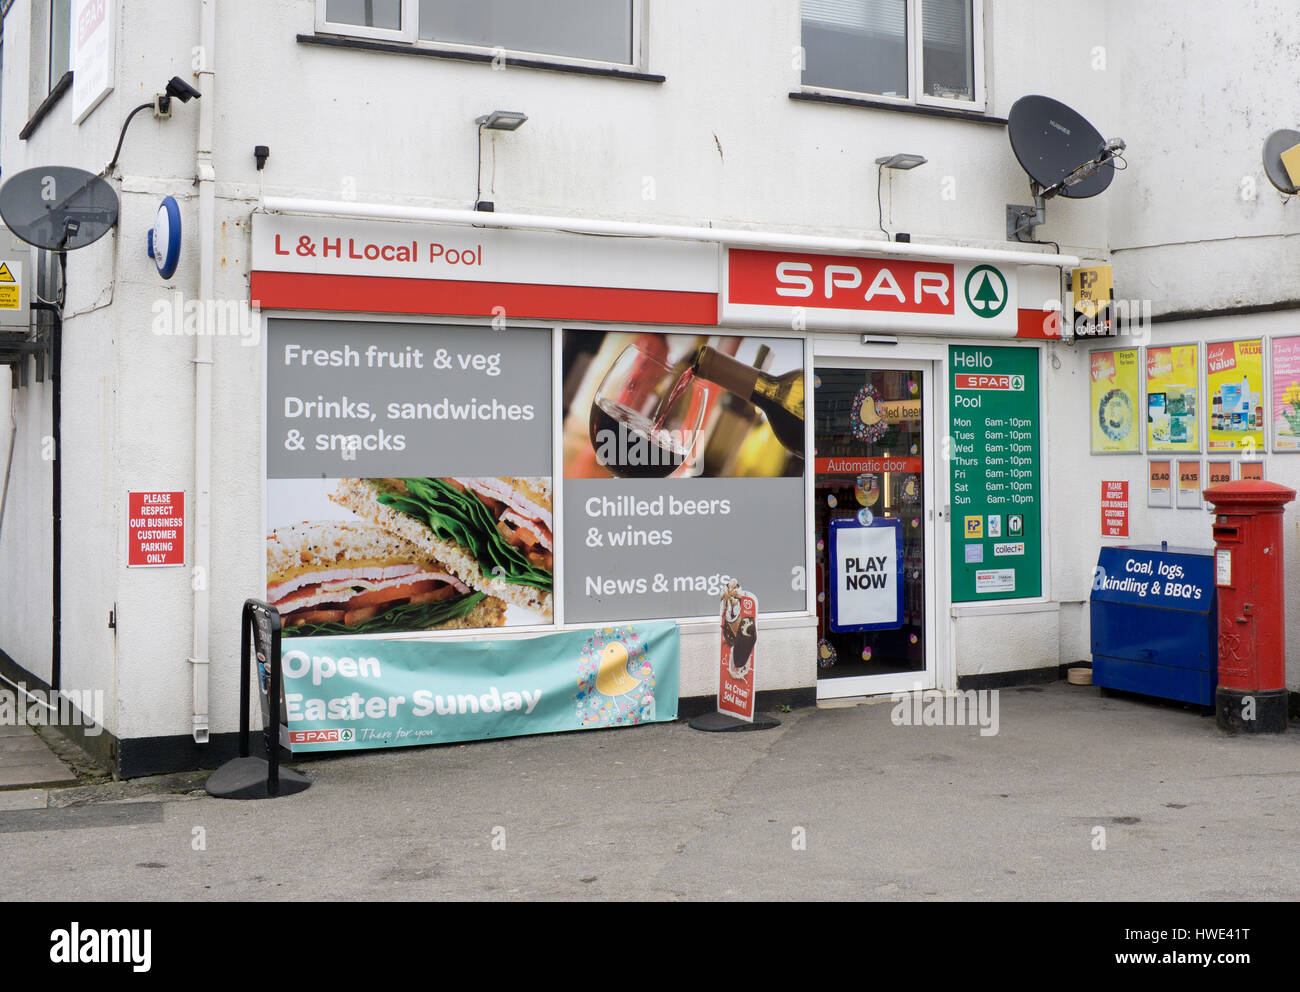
(25, 760)
(834, 804)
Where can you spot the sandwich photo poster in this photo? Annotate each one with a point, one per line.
(1173, 409)
(683, 471)
(408, 477)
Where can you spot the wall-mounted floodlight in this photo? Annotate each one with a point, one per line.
(502, 120)
(498, 120)
(903, 160)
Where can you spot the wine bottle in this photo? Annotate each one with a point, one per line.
(780, 397)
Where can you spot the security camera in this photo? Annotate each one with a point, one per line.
(182, 90)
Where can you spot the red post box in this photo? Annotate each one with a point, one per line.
(1248, 568)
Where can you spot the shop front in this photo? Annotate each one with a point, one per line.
(486, 428)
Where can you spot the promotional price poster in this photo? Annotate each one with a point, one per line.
(344, 694)
(738, 657)
(1217, 474)
(1286, 394)
(1158, 485)
(1189, 485)
(1172, 409)
(1235, 373)
(1115, 385)
(408, 477)
(683, 467)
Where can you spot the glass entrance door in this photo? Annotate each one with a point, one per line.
(874, 527)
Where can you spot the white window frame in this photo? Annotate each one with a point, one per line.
(410, 35)
(915, 67)
(407, 33)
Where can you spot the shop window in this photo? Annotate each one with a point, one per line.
(927, 52)
(569, 31)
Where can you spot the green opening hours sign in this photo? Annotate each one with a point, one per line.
(994, 458)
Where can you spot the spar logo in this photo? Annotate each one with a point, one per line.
(344, 736)
(986, 291)
(1002, 383)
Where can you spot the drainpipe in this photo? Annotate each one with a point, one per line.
(206, 182)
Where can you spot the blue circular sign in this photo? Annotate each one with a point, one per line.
(865, 517)
(165, 238)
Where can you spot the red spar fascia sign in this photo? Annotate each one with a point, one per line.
(840, 282)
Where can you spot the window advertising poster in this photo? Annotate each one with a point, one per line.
(1235, 374)
(1173, 376)
(408, 477)
(683, 469)
(866, 574)
(1114, 407)
(1286, 394)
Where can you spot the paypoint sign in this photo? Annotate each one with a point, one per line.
(993, 456)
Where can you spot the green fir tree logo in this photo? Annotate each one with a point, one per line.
(986, 291)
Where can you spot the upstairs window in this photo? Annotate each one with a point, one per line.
(582, 32)
(928, 52)
(60, 36)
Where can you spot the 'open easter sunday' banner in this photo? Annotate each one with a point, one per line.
(344, 694)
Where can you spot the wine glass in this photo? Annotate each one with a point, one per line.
(646, 417)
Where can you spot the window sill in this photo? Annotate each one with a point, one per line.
(362, 44)
(902, 108)
(62, 86)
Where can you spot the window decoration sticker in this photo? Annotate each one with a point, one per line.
(869, 423)
(866, 489)
(909, 491)
(825, 654)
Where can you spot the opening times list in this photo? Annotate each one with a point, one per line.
(994, 461)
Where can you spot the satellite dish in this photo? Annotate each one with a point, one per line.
(1277, 143)
(1052, 142)
(58, 208)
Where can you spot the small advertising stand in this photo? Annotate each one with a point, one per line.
(248, 777)
(736, 686)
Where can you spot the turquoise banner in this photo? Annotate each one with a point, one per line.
(347, 693)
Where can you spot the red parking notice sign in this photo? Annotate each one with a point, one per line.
(155, 529)
(1114, 509)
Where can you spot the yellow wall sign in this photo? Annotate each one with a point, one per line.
(1173, 407)
(11, 297)
(1114, 408)
(1092, 287)
(1235, 373)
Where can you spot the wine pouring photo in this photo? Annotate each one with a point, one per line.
(646, 418)
(658, 406)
